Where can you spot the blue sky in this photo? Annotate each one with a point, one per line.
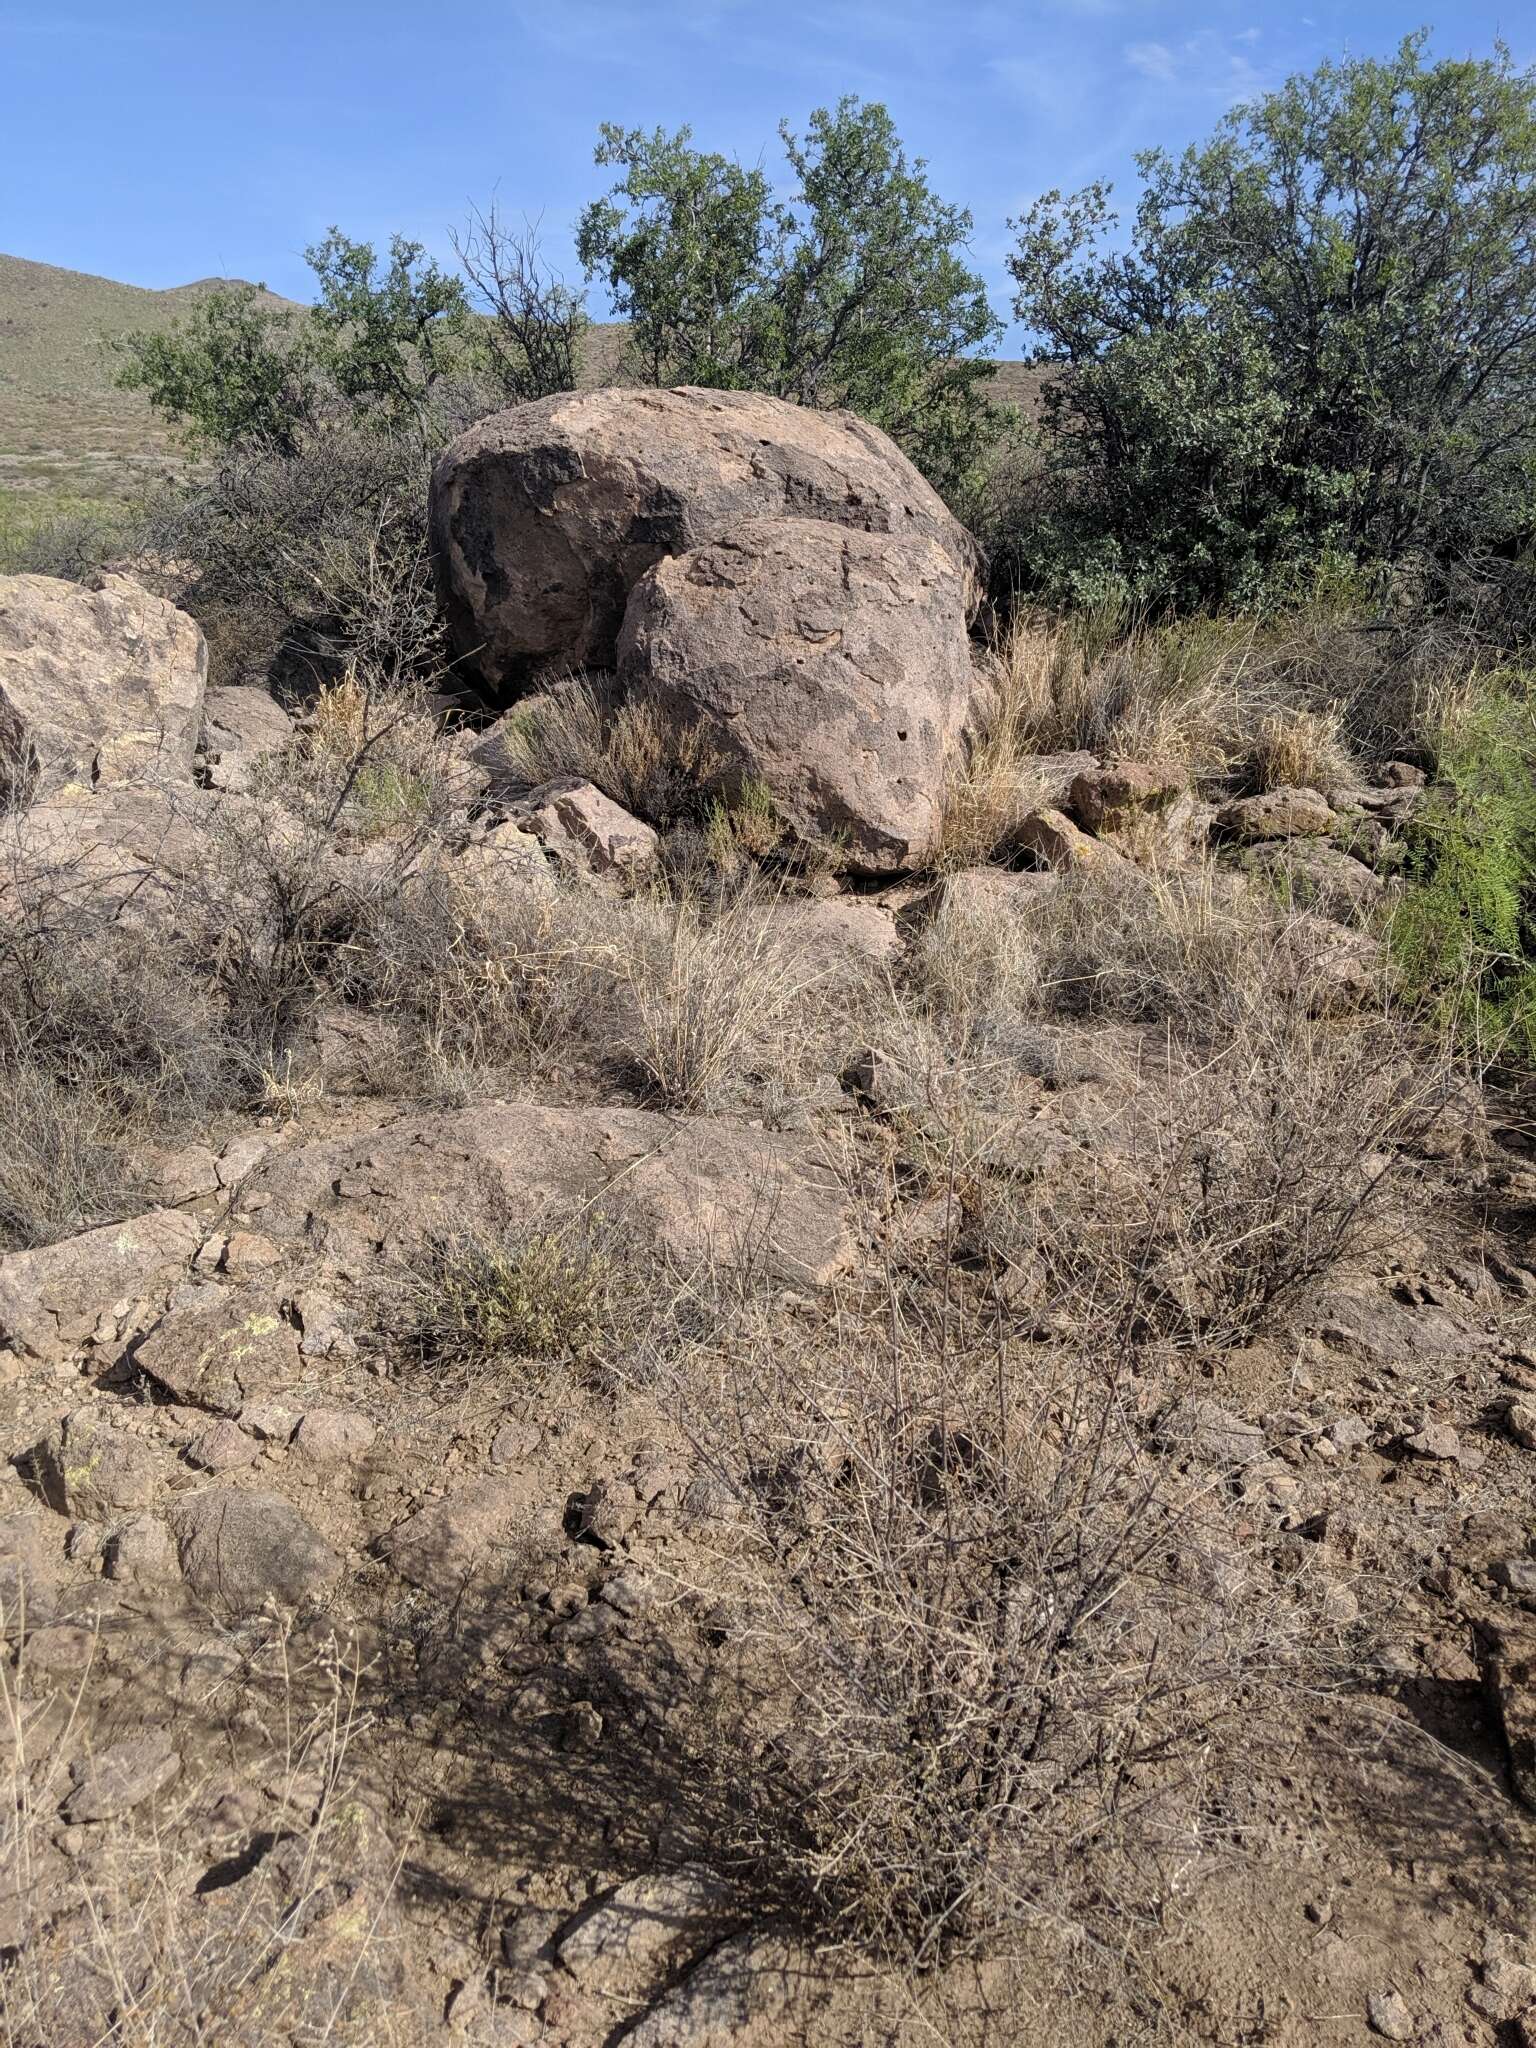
(158, 141)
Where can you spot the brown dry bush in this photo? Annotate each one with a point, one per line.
(130, 1944)
(992, 1660)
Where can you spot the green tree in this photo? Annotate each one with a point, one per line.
(853, 292)
(236, 370)
(377, 342)
(1320, 342)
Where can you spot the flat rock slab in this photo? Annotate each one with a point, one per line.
(239, 1549)
(116, 1780)
(442, 1545)
(222, 1349)
(52, 1299)
(697, 1187)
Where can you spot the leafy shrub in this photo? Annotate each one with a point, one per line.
(1465, 933)
(856, 293)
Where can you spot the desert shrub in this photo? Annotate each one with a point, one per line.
(63, 1164)
(576, 727)
(296, 1944)
(1258, 388)
(1464, 934)
(717, 996)
(994, 1660)
(490, 971)
(241, 371)
(1243, 1173)
(67, 540)
(297, 560)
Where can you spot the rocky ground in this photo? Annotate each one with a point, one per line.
(756, 1428)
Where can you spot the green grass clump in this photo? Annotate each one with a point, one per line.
(482, 1298)
(1465, 934)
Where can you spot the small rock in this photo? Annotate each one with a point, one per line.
(1389, 2016)
(272, 1422)
(334, 1436)
(1517, 1575)
(118, 1779)
(223, 1448)
(60, 1651)
(1508, 1989)
(1348, 1433)
(609, 1512)
(630, 1942)
(630, 1593)
(1276, 814)
(1520, 1422)
(141, 1552)
(1436, 1441)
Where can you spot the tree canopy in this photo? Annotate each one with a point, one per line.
(1320, 341)
(854, 291)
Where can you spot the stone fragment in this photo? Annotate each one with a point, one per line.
(115, 1780)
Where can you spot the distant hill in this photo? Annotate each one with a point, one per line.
(68, 434)
(65, 430)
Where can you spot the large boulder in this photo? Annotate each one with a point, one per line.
(97, 685)
(545, 517)
(829, 666)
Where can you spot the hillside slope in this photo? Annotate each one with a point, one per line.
(66, 431)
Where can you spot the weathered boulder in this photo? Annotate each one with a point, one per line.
(237, 1549)
(545, 517)
(54, 1298)
(583, 831)
(695, 1186)
(32, 1570)
(1315, 876)
(828, 666)
(220, 1348)
(629, 1943)
(442, 1543)
(1146, 808)
(91, 1466)
(1051, 838)
(100, 684)
(1276, 814)
(241, 726)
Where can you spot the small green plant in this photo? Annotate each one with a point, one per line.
(485, 1296)
(1465, 934)
(746, 825)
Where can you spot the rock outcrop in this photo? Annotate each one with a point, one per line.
(97, 685)
(546, 516)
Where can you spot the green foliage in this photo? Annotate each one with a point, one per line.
(1320, 343)
(241, 371)
(853, 293)
(236, 370)
(1465, 934)
(481, 1298)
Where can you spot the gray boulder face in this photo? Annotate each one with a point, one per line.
(831, 667)
(97, 685)
(239, 1549)
(54, 1298)
(546, 516)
